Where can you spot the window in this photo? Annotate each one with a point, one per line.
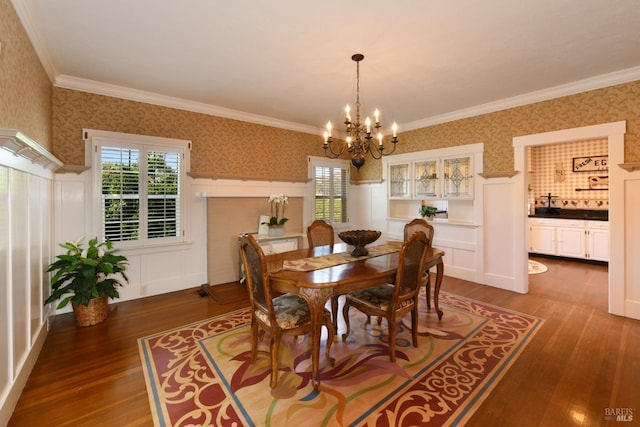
(331, 183)
(139, 187)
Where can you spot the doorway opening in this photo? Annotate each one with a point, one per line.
(614, 134)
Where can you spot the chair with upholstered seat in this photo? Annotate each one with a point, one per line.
(392, 301)
(287, 314)
(419, 224)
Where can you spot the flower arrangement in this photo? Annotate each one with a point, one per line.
(278, 203)
(86, 273)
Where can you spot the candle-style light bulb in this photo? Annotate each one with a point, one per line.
(328, 129)
(394, 127)
(348, 112)
(349, 141)
(326, 137)
(368, 123)
(377, 116)
(380, 139)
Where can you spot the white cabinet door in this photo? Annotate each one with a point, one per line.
(598, 240)
(542, 238)
(570, 241)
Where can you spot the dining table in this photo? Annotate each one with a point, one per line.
(318, 285)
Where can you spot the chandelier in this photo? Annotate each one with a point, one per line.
(359, 136)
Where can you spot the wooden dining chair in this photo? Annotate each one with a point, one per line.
(420, 224)
(286, 314)
(392, 301)
(321, 233)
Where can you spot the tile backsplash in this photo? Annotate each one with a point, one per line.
(551, 171)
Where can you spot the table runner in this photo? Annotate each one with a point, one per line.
(325, 261)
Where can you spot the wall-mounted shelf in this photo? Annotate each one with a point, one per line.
(630, 167)
(503, 174)
(20, 145)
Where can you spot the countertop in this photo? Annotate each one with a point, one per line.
(558, 213)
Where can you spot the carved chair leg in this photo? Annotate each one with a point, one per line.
(334, 313)
(393, 332)
(255, 339)
(414, 323)
(427, 288)
(330, 337)
(345, 314)
(275, 356)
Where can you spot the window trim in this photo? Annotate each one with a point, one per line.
(94, 139)
(314, 161)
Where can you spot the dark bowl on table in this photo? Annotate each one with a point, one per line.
(358, 239)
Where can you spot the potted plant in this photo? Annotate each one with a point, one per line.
(428, 211)
(277, 220)
(87, 278)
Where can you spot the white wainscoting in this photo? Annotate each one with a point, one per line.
(151, 270)
(26, 223)
(499, 226)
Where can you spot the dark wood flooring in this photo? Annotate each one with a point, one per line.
(582, 363)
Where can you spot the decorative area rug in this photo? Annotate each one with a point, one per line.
(200, 374)
(536, 267)
(324, 261)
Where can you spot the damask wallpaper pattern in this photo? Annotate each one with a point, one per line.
(235, 149)
(25, 89)
(222, 148)
(496, 130)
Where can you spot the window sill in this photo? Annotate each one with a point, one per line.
(154, 249)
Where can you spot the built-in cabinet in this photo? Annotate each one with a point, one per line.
(432, 178)
(569, 238)
(444, 178)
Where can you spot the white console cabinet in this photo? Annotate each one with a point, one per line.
(274, 245)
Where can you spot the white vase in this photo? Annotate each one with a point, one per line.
(276, 231)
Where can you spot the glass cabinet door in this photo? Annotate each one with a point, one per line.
(426, 179)
(457, 178)
(399, 180)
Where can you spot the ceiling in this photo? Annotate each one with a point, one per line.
(288, 62)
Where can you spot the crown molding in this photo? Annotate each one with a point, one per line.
(598, 82)
(99, 88)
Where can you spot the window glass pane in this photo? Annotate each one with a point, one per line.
(120, 171)
(331, 194)
(163, 190)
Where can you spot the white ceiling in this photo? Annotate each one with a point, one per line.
(289, 61)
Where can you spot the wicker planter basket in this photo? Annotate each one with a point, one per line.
(92, 314)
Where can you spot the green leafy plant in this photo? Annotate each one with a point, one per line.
(278, 203)
(428, 211)
(86, 273)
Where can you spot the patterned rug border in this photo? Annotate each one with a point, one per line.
(206, 328)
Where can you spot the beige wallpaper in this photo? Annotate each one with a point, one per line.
(496, 130)
(221, 147)
(25, 89)
(226, 148)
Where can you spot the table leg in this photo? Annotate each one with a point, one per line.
(316, 298)
(436, 290)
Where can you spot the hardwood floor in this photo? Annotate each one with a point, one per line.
(581, 362)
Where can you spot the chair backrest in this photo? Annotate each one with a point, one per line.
(410, 266)
(257, 275)
(419, 224)
(320, 233)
